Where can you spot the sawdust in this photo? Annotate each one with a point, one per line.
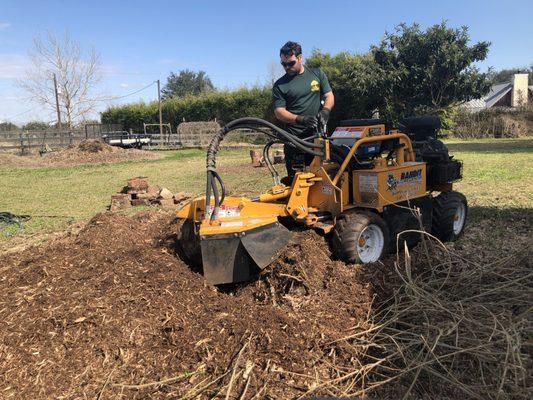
(90, 151)
(115, 304)
(111, 311)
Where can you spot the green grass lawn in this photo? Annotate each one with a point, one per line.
(497, 178)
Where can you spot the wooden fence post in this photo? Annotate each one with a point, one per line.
(21, 137)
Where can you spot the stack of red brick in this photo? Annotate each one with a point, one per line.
(138, 192)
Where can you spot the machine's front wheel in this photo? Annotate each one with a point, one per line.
(360, 237)
(450, 210)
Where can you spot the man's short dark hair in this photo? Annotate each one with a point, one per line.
(290, 48)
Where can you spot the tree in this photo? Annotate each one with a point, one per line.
(8, 126)
(76, 73)
(36, 126)
(274, 72)
(506, 75)
(428, 71)
(187, 82)
(354, 80)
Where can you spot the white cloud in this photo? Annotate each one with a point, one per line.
(124, 85)
(4, 25)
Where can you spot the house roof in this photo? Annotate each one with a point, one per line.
(496, 93)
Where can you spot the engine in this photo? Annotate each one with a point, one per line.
(440, 166)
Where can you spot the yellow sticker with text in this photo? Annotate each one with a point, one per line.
(315, 86)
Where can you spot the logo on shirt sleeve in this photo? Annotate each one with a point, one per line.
(315, 86)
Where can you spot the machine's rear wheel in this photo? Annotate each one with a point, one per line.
(360, 237)
(450, 210)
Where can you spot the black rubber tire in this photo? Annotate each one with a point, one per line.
(347, 231)
(444, 209)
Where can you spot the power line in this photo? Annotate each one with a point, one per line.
(92, 100)
(126, 95)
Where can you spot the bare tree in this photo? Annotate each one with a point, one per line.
(274, 71)
(76, 73)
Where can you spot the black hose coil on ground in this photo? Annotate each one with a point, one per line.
(8, 219)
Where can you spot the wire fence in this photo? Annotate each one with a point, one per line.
(26, 142)
(186, 135)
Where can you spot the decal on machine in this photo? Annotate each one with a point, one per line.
(224, 211)
(368, 183)
(406, 184)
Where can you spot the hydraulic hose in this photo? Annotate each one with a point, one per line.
(255, 124)
(268, 162)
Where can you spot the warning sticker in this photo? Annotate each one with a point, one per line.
(368, 183)
(224, 211)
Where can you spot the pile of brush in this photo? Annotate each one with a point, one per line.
(453, 328)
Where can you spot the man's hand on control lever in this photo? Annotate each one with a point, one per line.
(323, 116)
(308, 121)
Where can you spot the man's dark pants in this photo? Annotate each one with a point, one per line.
(295, 160)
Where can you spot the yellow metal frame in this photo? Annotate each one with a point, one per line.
(312, 192)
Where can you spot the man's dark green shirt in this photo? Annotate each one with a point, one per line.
(300, 94)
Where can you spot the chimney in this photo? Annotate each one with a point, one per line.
(519, 93)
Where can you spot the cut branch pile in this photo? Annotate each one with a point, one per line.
(455, 329)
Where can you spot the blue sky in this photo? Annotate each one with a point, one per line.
(233, 41)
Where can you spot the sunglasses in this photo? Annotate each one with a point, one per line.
(288, 64)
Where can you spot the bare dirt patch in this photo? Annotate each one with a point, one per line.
(89, 151)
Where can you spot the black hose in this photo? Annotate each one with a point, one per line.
(253, 124)
(214, 214)
(8, 219)
(222, 186)
(268, 162)
(208, 191)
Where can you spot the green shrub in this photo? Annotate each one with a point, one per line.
(222, 106)
(493, 123)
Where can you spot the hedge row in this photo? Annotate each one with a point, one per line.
(223, 106)
(493, 123)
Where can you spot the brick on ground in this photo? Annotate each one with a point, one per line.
(140, 202)
(165, 194)
(120, 201)
(181, 196)
(166, 202)
(138, 183)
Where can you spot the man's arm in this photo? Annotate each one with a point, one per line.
(283, 115)
(329, 100)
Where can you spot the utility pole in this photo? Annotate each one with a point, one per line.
(59, 125)
(160, 112)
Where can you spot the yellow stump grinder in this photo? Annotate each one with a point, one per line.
(361, 188)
